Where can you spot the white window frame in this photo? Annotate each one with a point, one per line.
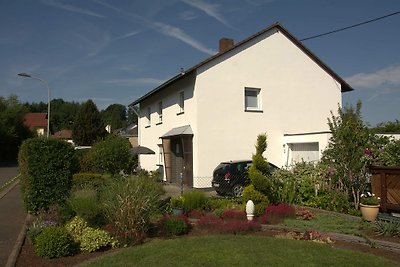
(258, 95)
(181, 102)
(160, 112)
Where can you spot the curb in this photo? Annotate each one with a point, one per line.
(9, 188)
(12, 258)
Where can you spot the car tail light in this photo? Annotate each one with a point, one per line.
(227, 176)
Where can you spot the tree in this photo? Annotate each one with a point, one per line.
(12, 128)
(387, 127)
(132, 115)
(346, 151)
(88, 125)
(114, 115)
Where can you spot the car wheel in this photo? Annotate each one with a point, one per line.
(238, 190)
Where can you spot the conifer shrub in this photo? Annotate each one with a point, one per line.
(194, 199)
(46, 167)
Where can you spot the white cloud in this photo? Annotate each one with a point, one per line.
(71, 8)
(133, 82)
(210, 9)
(384, 78)
(127, 35)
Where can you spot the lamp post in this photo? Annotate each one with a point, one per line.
(26, 75)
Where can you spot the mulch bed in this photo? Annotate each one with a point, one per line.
(28, 256)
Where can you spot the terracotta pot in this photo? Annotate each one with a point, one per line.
(369, 212)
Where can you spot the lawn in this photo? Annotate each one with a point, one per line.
(237, 250)
(331, 222)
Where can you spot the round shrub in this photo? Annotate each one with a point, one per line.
(76, 226)
(55, 242)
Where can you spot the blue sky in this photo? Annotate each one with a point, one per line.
(116, 51)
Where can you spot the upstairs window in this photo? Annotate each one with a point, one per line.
(160, 112)
(148, 117)
(252, 99)
(181, 102)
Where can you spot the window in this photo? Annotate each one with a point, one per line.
(252, 101)
(181, 102)
(148, 117)
(160, 112)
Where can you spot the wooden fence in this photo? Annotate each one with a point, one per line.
(385, 183)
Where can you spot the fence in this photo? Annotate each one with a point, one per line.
(385, 183)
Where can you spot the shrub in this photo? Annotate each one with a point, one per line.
(94, 239)
(175, 225)
(229, 215)
(221, 203)
(112, 156)
(89, 180)
(277, 213)
(37, 227)
(330, 200)
(196, 214)
(130, 202)
(85, 203)
(46, 167)
(250, 193)
(55, 242)
(194, 199)
(90, 239)
(83, 159)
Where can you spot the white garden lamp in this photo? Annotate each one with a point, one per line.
(250, 210)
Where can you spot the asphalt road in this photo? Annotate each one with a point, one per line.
(12, 214)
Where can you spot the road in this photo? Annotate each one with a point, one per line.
(12, 213)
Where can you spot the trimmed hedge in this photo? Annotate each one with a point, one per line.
(46, 166)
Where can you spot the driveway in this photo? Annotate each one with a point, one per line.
(7, 172)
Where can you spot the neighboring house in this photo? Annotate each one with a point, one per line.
(130, 133)
(36, 122)
(64, 135)
(269, 83)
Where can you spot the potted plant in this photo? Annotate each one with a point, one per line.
(369, 206)
(177, 205)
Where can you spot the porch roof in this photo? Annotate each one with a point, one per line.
(178, 131)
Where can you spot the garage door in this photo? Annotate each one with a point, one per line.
(304, 152)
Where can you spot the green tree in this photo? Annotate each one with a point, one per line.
(132, 115)
(12, 128)
(88, 125)
(114, 115)
(387, 127)
(346, 151)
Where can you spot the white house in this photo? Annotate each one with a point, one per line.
(269, 83)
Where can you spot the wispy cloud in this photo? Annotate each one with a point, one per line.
(187, 15)
(133, 82)
(259, 2)
(210, 9)
(127, 35)
(163, 28)
(386, 77)
(60, 5)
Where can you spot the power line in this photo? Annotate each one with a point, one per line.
(349, 27)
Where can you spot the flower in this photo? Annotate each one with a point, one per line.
(369, 199)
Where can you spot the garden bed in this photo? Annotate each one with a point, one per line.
(28, 257)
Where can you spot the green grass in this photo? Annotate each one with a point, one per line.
(237, 250)
(330, 222)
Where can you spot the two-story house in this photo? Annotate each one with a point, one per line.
(268, 83)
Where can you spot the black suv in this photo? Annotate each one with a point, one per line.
(231, 177)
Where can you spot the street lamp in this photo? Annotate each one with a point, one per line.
(26, 75)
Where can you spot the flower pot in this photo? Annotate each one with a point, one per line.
(177, 211)
(369, 212)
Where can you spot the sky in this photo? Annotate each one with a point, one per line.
(113, 52)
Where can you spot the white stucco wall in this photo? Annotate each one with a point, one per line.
(297, 97)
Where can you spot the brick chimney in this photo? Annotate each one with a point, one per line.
(225, 44)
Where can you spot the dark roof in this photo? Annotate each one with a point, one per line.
(35, 120)
(345, 86)
(130, 131)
